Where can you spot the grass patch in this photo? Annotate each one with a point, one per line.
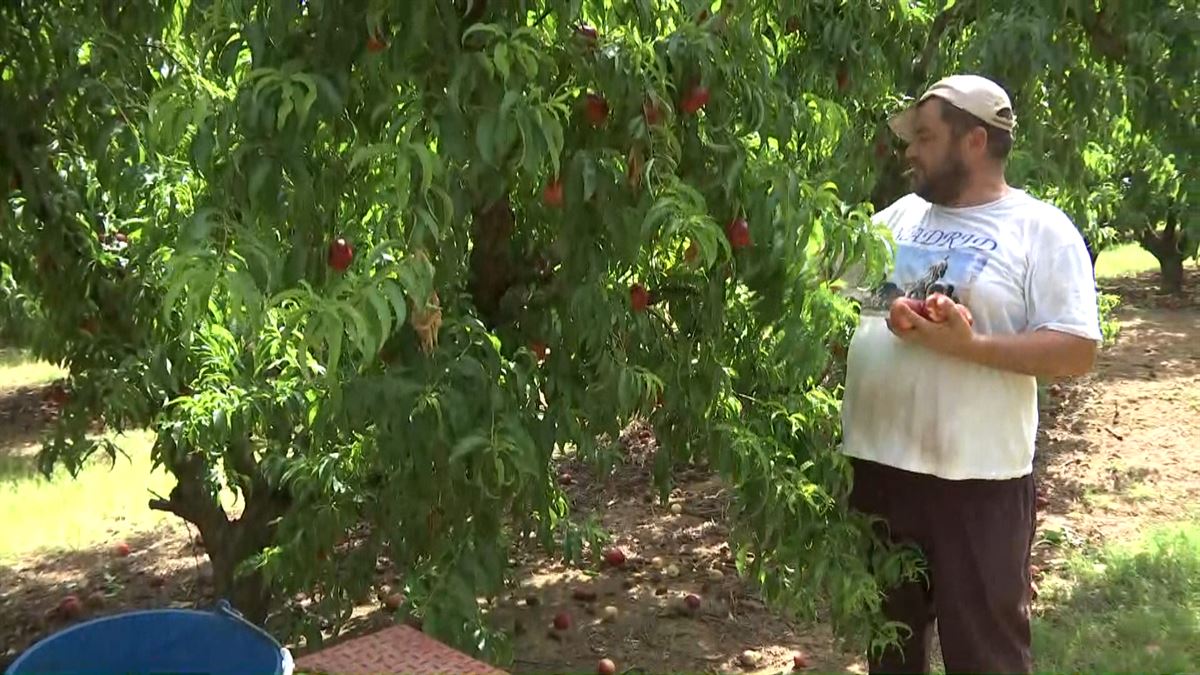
(64, 513)
(1128, 259)
(1128, 608)
(61, 512)
(18, 370)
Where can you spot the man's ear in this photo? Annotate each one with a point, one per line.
(977, 140)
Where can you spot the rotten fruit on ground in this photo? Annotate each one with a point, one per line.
(70, 607)
(677, 508)
(564, 479)
(341, 253)
(121, 549)
(750, 659)
(692, 601)
(672, 570)
(639, 298)
(606, 667)
(595, 109)
(611, 613)
(696, 98)
(614, 556)
(799, 661)
(738, 233)
(393, 601)
(562, 621)
(552, 194)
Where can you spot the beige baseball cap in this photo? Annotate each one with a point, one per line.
(977, 95)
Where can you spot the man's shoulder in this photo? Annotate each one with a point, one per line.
(909, 203)
(1047, 221)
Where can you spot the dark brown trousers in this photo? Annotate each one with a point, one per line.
(976, 536)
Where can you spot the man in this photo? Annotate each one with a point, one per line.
(939, 418)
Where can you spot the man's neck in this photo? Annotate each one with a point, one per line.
(982, 192)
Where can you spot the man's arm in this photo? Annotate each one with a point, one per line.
(1041, 353)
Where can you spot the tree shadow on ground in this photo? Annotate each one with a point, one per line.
(163, 569)
(25, 413)
(1131, 610)
(1142, 290)
(1062, 411)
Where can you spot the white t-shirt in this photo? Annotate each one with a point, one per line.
(1019, 265)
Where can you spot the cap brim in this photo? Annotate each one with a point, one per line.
(904, 124)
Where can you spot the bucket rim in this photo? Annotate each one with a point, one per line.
(221, 609)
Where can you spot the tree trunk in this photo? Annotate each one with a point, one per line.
(1171, 267)
(248, 593)
(229, 542)
(1168, 248)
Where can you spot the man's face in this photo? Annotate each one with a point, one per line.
(939, 172)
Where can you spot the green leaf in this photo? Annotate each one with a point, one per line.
(285, 109)
(258, 176)
(363, 337)
(371, 152)
(485, 141)
(500, 58)
(375, 297)
(335, 331)
(489, 28)
(467, 445)
(427, 165)
(589, 178)
(396, 295)
(309, 97)
(552, 131)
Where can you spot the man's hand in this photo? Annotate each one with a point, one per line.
(1041, 353)
(947, 331)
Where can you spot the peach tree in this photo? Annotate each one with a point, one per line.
(367, 269)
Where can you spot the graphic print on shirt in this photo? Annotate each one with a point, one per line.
(934, 261)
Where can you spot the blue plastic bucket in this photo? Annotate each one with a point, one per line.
(159, 641)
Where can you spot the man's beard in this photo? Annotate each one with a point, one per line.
(944, 184)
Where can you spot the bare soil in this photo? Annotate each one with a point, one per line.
(1116, 454)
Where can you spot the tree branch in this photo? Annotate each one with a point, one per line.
(191, 501)
(920, 71)
(1101, 38)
